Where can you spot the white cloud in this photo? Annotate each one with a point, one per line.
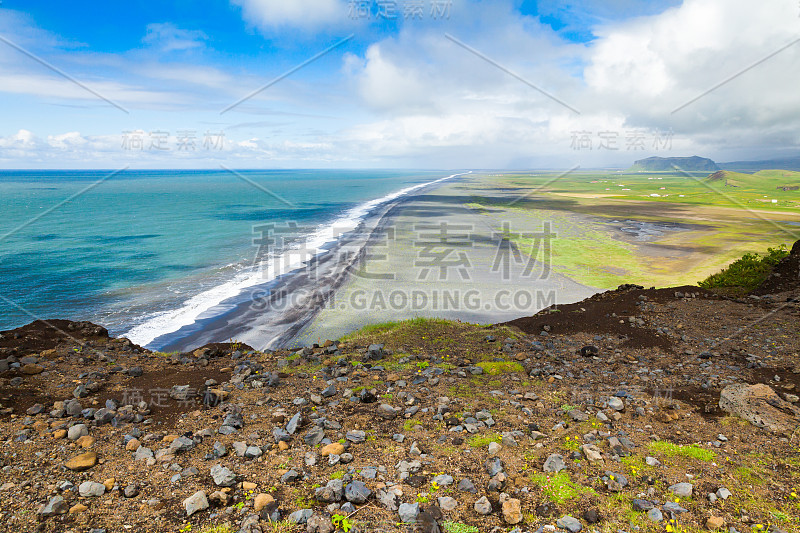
(648, 67)
(55, 86)
(168, 37)
(414, 98)
(308, 14)
(431, 97)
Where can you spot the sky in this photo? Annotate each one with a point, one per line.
(424, 84)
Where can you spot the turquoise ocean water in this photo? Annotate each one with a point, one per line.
(146, 252)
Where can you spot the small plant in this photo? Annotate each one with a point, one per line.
(572, 444)
(423, 497)
(342, 522)
(422, 365)
(479, 441)
(338, 474)
(410, 424)
(459, 527)
(222, 528)
(186, 528)
(284, 526)
(238, 506)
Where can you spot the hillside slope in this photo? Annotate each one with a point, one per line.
(668, 164)
(604, 414)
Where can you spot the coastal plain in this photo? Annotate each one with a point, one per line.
(530, 240)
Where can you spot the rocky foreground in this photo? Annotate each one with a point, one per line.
(635, 410)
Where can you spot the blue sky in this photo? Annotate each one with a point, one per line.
(484, 84)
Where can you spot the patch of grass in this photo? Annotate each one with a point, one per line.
(692, 451)
(396, 366)
(164, 354)
(411, 424)
(749, 475)
(338, 474)
(284, 526)
(747, 272)
(503, 367)
(731, 420)
(459, 527)
(636, 463)
(559, 488)
(479, 441)
(386, 327)
(309, 368)
(221, 528)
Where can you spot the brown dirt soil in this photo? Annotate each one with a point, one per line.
(785, 276)
(670, 364)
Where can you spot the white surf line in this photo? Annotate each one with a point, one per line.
(200, 306)
(307, 319)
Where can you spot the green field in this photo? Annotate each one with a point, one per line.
(717, 219)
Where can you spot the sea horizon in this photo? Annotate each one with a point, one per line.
(131, 279)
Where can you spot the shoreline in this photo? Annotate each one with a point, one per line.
(441, 259)
(295, 296)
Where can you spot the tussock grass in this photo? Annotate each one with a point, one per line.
(747, 272)
(691, 451)
(479, 441)
(497, 368)
(559, 488)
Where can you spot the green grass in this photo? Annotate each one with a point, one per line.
(479, 441)
(411, 424)
(746, 273)
(386, 327)
(222, 528)
(459, 527)
(691, 451)
(284, 526)
(559, 488)
(497, 368)
(593, 252)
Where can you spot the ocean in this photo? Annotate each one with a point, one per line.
(148, 252)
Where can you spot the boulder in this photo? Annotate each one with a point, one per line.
(91, 489)
(55, 506)
(196, 502)
(82, 462)
(512, 511)
(761, 406)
